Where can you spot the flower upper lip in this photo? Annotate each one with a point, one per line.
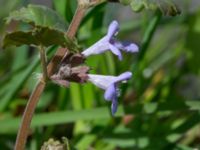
(113, 29)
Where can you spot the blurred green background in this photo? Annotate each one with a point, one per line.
(159, 108)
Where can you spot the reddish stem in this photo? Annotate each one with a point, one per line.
(35, 96)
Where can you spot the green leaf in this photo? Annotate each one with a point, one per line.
(192, 42)
(8, 5)
(53, 118)
(48, 29)
(137, 5)
(38, 15)
(86, 141)
(168, 7)
(11, 124)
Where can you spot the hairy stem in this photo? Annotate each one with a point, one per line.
(27, 116)
(43, 63)
(34, 98)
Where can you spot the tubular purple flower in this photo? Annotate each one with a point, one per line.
(108, 42)
(110, 85)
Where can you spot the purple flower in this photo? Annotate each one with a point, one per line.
(110, 85)
(108, 42)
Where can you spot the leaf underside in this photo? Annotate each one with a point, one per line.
(44, 36)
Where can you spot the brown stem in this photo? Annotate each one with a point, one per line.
(76, 22)
(34, 98)
(43, 63)
(70, 33)
(27, 116)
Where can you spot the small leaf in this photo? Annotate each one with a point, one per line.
(137, 5)
(38, 15)
(168, 7)
(42, 36)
